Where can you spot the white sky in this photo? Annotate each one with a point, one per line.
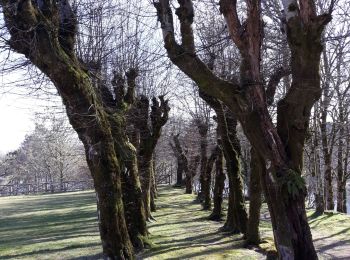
(16, 117)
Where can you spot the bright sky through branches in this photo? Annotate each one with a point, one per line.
(16, 115)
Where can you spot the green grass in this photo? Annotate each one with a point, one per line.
(182, 231)
(55, 226)
(64, 226)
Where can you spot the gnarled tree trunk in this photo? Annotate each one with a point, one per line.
(257, 167)
(236, 220)
(206, 188)
(149, 126)
(182, 162)
(219, 186)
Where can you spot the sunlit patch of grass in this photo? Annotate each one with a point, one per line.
(331, 223)
(182, 231)
(54, 226)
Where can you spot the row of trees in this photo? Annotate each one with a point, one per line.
(279, 147)
(256, 71)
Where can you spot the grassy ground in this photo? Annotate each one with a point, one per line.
(64, 226)
(57, 226)
(182, 231)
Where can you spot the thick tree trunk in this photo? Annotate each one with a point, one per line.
(206, 188)
(179, 173)
(258, 169)
(145, 169)
(189, 183)
(190, 173)
(182, 162)
(132, 192)
(105, 171)
(341, 196)
(232, 156)
(236, 220)
(328, 187)
(149, 126)
(216, 214)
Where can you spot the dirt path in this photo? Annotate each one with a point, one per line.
(182, 232)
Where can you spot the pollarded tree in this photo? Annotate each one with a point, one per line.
(182, 161)
(45, 32)
(280, 147)
(237, 218)
(149, 127)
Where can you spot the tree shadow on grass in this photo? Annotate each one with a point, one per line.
(88, 257)
(333, 235)
(48, 251)
(191, 242)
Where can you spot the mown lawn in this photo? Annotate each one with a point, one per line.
(182, 231)
(55, 226)
(64, 226)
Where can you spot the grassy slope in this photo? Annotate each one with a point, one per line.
(57, 226)
(63, 226)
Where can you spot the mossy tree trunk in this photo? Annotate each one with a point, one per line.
(236, 220)
(219, 186)
(281, 147)
(206, 188)
(258, 169)
(126, 153)
(149, 126)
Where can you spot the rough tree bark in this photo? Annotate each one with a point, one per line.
(219, 186)
(126, 154)
(281, 147)
(257, 167)
(203, 177)
(45, 34)
(149, 126)
(206, 184)
(236, 220)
